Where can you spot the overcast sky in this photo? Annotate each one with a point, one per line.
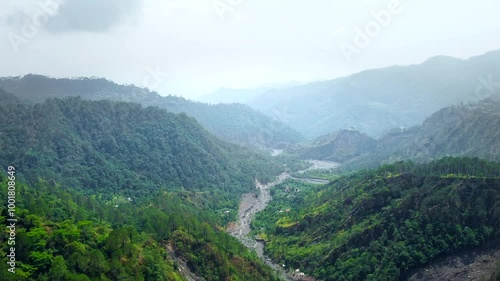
(192, 47)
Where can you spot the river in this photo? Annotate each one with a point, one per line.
(251, 204)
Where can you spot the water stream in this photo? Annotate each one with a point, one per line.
(251, 204)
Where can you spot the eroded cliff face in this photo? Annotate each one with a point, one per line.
(482, 264)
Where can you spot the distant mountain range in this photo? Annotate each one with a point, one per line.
(119, 182)
(234, 123)
(376, 101)
(227, 95)
(466, 130)
(452, 131)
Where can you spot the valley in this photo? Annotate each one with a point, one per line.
(382, 175)
(252, 203)
(394, 219)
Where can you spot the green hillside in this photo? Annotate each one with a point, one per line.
(462, 130)
(64, 235)
(114, 191)
(234, 123)
(122, 148)
(381, 224)
(341, 146)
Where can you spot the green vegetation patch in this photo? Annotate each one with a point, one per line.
(380, 224)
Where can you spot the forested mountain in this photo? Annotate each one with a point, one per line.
(115, 191)
(463, 130)
(64, 235)
(376, 101)
(235, 123)
(8, 98)
(339, 147)
(110, 147)
(381, 224)
(470, 130)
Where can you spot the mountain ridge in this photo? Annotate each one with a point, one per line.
(458, 130)
(375, 101)
(383, 224)
(73, 140)
(236, 123)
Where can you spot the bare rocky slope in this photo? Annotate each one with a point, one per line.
(482, 263)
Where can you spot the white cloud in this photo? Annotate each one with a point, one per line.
(259, 42)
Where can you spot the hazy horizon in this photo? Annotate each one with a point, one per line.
(194, 47)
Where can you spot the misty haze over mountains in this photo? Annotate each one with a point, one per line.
(235, 123)
(257, 140)
(376, 101)
(406, 123)
(372, 102)
(192, 48)
(356, 119)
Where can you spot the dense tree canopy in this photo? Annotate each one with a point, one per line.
(378, 225)
(65, 235)
(234, 123)
(117, 147)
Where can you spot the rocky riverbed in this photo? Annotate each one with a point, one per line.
(249, 206)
